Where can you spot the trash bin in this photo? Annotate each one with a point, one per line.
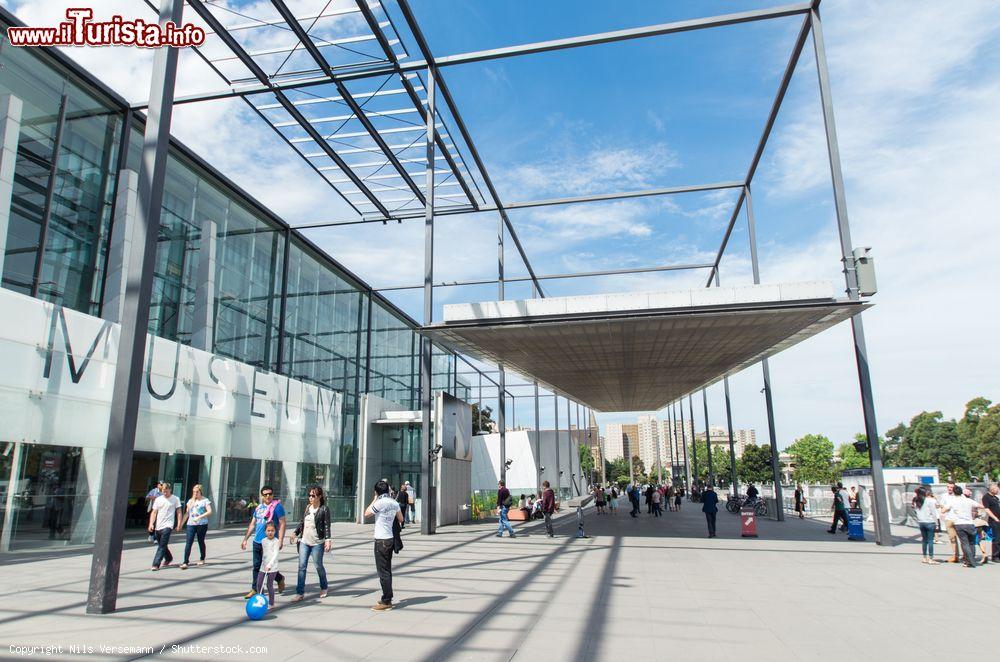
(748, 522)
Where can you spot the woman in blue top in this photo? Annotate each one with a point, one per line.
(196, 517)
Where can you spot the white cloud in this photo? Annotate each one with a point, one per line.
(917, 113)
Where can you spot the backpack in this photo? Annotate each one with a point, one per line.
(508, 502)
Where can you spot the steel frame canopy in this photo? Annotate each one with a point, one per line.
(330, 95)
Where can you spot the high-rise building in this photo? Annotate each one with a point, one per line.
(621, 440)
(654, 445)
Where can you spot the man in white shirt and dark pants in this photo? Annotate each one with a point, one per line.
(163, 517)
(385, 510)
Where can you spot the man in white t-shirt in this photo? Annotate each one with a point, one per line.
(163, 518)
(385, 510)
(949, 520)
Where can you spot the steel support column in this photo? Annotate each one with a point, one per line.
(883, 535)
(768, 396)
(694, 444)
(538, 446)
(105, 566)
(733, 481)
(428, 523)
(708, 440)
(502, 423)
(684, 449)
(555, 409)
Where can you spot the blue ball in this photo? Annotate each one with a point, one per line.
(257, 607)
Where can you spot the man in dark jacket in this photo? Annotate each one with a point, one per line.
(710, 506)
(649, 500)
(633, 496)
(504, 502)
(548, 507)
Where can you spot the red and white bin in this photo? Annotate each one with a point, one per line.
(748, 523)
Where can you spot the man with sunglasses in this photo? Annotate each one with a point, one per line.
(269, 510)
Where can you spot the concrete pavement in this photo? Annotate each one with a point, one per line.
(647, 588)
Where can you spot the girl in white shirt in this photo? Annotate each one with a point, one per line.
(925, 507)
(269, 563)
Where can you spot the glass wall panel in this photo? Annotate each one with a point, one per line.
(73, 261)
(394, 369)
(248, 269)
(242, 490)
(54, 505)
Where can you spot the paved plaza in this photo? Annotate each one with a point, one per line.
(636, 589)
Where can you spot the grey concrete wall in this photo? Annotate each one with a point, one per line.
(453, 481)
(120, 248)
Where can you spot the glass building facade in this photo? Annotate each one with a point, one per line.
(274, 302)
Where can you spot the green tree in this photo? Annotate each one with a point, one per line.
(638, 467)
(981, 457)
(618, 471)
(930, 441)
(850, 457)
(720, 461)
(755, 465)
(987, 443)
(481, 420)
(587, 465)
(813, 457)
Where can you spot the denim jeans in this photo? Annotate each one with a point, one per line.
(162, 551)
(195, 531)
(258, 560)
(316, 552)
(927, 538)
(383, 566)
(504, 522)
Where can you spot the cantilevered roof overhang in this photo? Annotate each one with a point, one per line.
(641, 351)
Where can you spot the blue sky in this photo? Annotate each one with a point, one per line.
(917, 92)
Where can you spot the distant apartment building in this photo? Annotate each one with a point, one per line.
(719, 437)
(621, 440)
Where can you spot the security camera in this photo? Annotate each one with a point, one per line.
(541, 469)
(508, 463)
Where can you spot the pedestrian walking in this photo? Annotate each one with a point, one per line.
(599, 499)
(163, 517)
(385, 510)
(963, 512)
(839, 508)
(150, 498)
(268, 510)
(403, 499)
(657, 497)
(678, 499)
(951, 491)
(196, 524)
(710, 506)
(504, 502)
(613, 500)
(925, 508)
(800, 501)
(649, 499)
(991, 501)
(548, 507)
(633, 497)
(270, 548)
(314, 539)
